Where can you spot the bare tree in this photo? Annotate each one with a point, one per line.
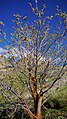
(37, 56)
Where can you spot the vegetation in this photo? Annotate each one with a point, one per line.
(36, 60)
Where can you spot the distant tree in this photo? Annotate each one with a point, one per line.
(37, 56)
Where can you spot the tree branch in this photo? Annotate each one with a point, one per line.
(58, 77)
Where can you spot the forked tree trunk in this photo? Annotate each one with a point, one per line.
(31, 115)
(37, 100)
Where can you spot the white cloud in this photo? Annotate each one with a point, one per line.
(2, 51)
(57, 59)
(15, 52)
(6, 53)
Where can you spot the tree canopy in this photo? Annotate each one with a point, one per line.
(36, 55)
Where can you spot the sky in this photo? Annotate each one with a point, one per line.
(9, 7)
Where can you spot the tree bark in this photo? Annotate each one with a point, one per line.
(37, 100)
(39, 112)
(37, 107)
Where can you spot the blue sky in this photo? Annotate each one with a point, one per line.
(9, 7)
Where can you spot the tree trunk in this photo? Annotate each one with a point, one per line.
(37, 100)
(37, 107)
(39, 112)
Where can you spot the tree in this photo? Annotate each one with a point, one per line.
(37, 56)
